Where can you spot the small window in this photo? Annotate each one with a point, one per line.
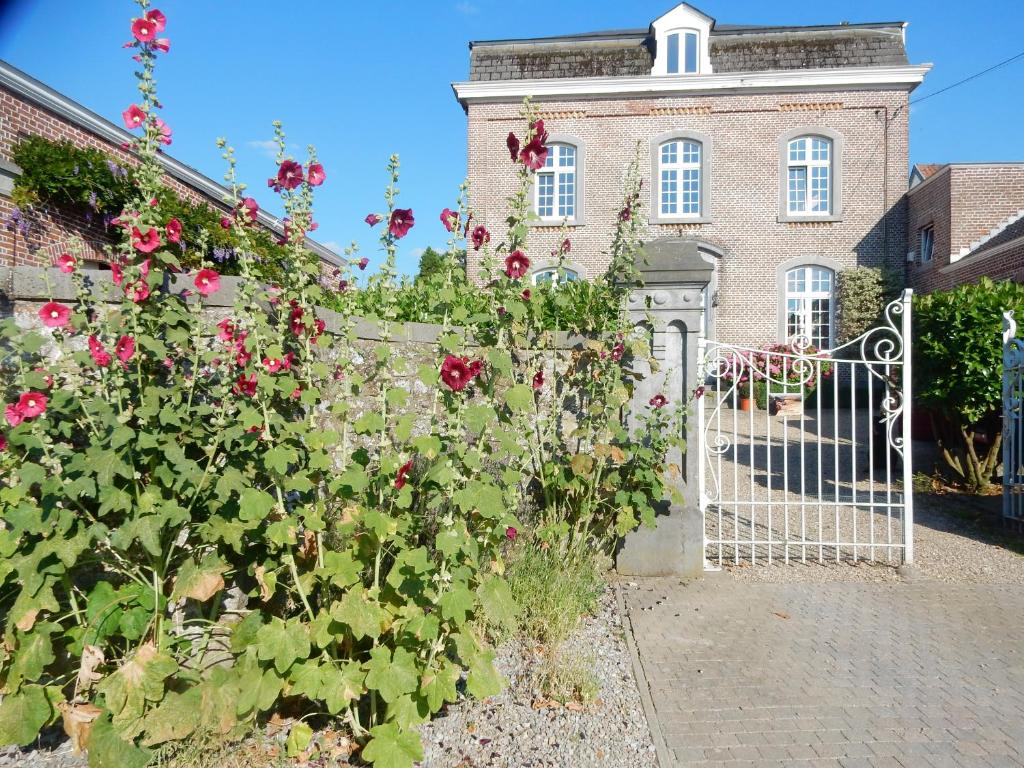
(555, 186)
(679, 178)
(809, 176)
(927, 235)
(688, 42)
(809, 305)
(554, 276)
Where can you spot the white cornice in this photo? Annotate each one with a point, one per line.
(907, 76)
(35, 91)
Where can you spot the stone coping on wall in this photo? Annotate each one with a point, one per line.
(39, 284)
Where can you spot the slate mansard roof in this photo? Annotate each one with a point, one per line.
(733, 48)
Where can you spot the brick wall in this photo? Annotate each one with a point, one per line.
(743, 185)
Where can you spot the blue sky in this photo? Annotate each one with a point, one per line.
(363, 80)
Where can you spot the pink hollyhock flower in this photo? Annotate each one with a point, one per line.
(162, 44)
(273, 364)
(566, 246)
(534, 155)
(516, 264)
(158, 20)
(146, 243)
(252, 208)
(401, 222)
(13, 414)
(403, 474)
(133, 117)
(373, 219)
(144, 267)
(116, 274)
(289, 174)
(66, 263)
(125, 348)
(511, 533)
(363, 262)
(456, 373)
(538, 379)
(227, 330)
(245, 385)
(658, 401)
(480, 236)
(138, 291)
(32, 404)
(165, 131)
(242, 357)
(3, 443)
(296, 393)
(144, 30)
(207, 282)
(225, 222)
(54, 315)
(526, 295)
(100, 356)
(173, 230)
(289, 358)
(450, 219)
(513, 145)
(315, 175)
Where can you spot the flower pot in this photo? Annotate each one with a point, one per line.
(746, 404)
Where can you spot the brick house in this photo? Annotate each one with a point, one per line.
(781, 153)
(29, 107)
(966, 220)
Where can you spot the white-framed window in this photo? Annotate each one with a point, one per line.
(554, 275)
(809, 175)
(679, 178)
(554, 189)
(809, 305)
(927, 236)
(683, 52)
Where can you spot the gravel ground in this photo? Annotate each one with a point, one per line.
(52, 751)
(511, 730)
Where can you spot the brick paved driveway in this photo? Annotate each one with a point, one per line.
(917, 673)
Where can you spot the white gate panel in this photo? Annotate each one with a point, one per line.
(827, 477)
(1013, 421)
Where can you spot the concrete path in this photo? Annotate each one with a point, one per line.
(833, 673)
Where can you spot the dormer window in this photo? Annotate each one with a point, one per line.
(682, 52)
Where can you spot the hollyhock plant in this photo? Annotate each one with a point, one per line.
(401, 222)
(124, 348)
(458, 372)
(315, 175)
(450, 219)
(403, 474)
(133, 117)
(227, 329)
(511, 532)
(480, 236)
(538, 379)
(246, 385)
(137, 291)
(143, 30)
(157, 18)
(526, 294)
(207, 281)
(13, 414)
(54, 315)
(516, 265)
(99, 355)
(32, 404)
(289, 174)
(658, 401)
(145, 242)
(512, 142)
(362, 263)
(252, 209)
(116, 273)
(66, 263)
(164, 130)
(173, 230)
(162, 44)
(534, 155)
(273, 364)
(373, 219)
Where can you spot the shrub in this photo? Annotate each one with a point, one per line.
(958, 367)
(862, 294)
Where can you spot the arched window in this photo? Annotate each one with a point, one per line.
(555, 188)
(683, 52)
(809, 304)
(554, 275)
(809, 176)
(680, 171)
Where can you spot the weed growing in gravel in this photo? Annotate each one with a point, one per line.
(568, 677)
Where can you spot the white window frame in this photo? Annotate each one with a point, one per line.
(681, 36)
(806, 299)
(563, 275)
(558, 175)
(809, 164)
(681, 167)
(926, 238)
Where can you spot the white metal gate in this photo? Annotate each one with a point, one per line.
(1013, 421)
(821, 471)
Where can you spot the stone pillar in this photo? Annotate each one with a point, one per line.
(669, 304)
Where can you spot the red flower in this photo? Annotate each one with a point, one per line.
(526, 294)
(147, 243)
(699, 392)
(144, 30)
(207, 282)
(658, 401)
(162, 44)
(289, 174)
(158, 20)
(315, 175)
(296, 393)
(513, 145)
(138, 291)
(273, 364)
(450, 219)
(319, 326)
(403, 473)
(227, 329)
(173, 230)
(617, 351)
(296, 324)
(116, 275)
(32, 404)
(372, 219)
(54, 315)
(225, 222)
(511, 533)
(626, 213)
(538, 379)
(3, 443)
(401, 222)
(534, 154)
(252, 208)
(100, 356)
(245, 385)
(13, 414)
(133, 117)
(566, 246)
(66, 263)
(125, 348)
(456, 372)
(480, 236)
(165, 131)
(516, 264)
(363, 262)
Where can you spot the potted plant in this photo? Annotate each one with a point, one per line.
(784, 374)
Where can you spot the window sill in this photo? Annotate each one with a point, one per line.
(667, 220)
(555, 223)
(786, 218)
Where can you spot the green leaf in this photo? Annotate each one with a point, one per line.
(457, 604)
(298, 739)
(284, 643)
(259, 691)
(497, 601)
(22, 714)
(438, 686)
(397, 397)
(199, 581)
(483, 679)
(519, 398)
(342, 685)
(138, 681)
(255, 504)
(360, 614)
(34, 653)
(108, 750)
(390, 747)
(391, 677)
(177, 716)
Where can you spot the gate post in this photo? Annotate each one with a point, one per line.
(669, 304)
(908, 436)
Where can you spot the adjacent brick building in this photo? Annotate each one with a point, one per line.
(29, 107)
(782, 152)
(966, 220)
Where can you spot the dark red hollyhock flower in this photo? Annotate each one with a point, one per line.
(534, 155)
(456, 373)
(501, 311)
(476, 367)
(538, 379)
(401, 222)
(125, 348)
(227, 329)
(617, 351)
(403, 473)
(252, 208)
(658, 401)
(699, 392)
(566, 246)
(511, 533)
(516, 264)
(363, 262)
(319, 326)
(316, 175)
(450, 219)
(480, 236)
(173, 230)
(626, 214)
(539, 132)
(289, 174)
(526, 294)
(246, 385)
(296, 323)
(372, 219)
(513, 145)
